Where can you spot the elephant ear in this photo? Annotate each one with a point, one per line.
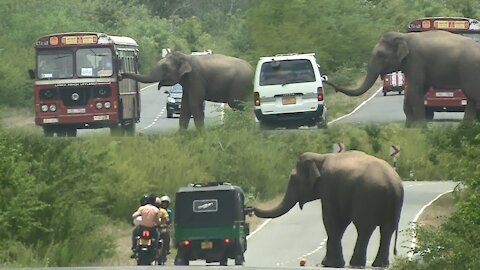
(184, 68)
(313, 172)
(402, 48)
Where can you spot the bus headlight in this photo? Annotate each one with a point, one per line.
(170, 100)
(53, 108)
(44, 108)
(99, 105)
(107, 105)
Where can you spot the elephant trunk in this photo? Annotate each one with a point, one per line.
(289, 200)
(140, 78)
(372, 75)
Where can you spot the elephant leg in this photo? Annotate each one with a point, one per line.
(386, 233)
(416, 100)
(407, 109)
(470, 110)
(335, 229)
(199, 116)
(185, 115)
(364, 232)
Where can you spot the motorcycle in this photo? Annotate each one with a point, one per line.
(146, 252)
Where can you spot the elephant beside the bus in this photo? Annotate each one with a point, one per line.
(433, 58)
(353, 187)
(211, 77)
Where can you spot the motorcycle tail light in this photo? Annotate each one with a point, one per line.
(146, 234)
(320, 93)
(228, 241)
(184, 243)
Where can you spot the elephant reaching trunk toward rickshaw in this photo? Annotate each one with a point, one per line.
(354, 187)
(211, 77)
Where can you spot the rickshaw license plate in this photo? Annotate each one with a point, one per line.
(286, 100)
(207, 245)
(144, 242)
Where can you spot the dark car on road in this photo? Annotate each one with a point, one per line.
(210, 223)
(174, 100)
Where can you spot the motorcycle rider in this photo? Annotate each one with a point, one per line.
(151, 217)
(165, 232)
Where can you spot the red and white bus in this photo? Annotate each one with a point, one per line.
(77, 86)
(446, 100)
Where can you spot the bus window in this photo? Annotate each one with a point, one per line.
(94, 62)
(54, 64)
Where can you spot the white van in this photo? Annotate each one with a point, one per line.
(288, 91)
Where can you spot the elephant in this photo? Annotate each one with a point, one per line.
(353, 187)
(435, 58)
(211, 77)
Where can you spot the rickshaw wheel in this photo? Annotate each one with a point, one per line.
(239, 260)
(181, 261)
(224, 261)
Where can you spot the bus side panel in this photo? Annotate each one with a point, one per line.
(129, 89)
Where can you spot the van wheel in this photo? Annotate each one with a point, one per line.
(264, 125)
(169, 114)
(384, 93)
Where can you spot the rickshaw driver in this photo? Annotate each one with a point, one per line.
(151, 217)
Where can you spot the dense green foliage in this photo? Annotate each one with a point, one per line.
(341, 32)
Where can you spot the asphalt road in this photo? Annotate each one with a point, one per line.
(153, 118)
(387, 109)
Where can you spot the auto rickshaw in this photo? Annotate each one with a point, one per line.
(210, 223)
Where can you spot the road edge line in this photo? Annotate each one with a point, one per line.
(414, 223)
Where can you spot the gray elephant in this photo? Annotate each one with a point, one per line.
(434, 58)
(353, 187)
(212, 77)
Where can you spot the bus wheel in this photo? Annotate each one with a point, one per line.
(129, 129)
(48, 131)
(116, 130)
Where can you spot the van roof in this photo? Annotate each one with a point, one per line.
(288, 56)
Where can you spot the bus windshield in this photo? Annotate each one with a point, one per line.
(94, 62)
(53, 64)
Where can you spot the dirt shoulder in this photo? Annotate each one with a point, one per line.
(438, 212)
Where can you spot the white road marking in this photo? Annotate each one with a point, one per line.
(357, 108)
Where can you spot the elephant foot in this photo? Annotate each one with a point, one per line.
(334, 262)
(380, 263)
(358, 262)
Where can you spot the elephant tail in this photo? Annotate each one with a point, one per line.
(395, 243)
(398, 212)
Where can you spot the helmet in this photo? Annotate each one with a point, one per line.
(165, 199)
(145, 199)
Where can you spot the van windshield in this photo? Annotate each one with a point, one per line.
(286, 72)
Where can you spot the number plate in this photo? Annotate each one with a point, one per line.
(287, 100)
(444, 94)
(144, 242)
(207, 245)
